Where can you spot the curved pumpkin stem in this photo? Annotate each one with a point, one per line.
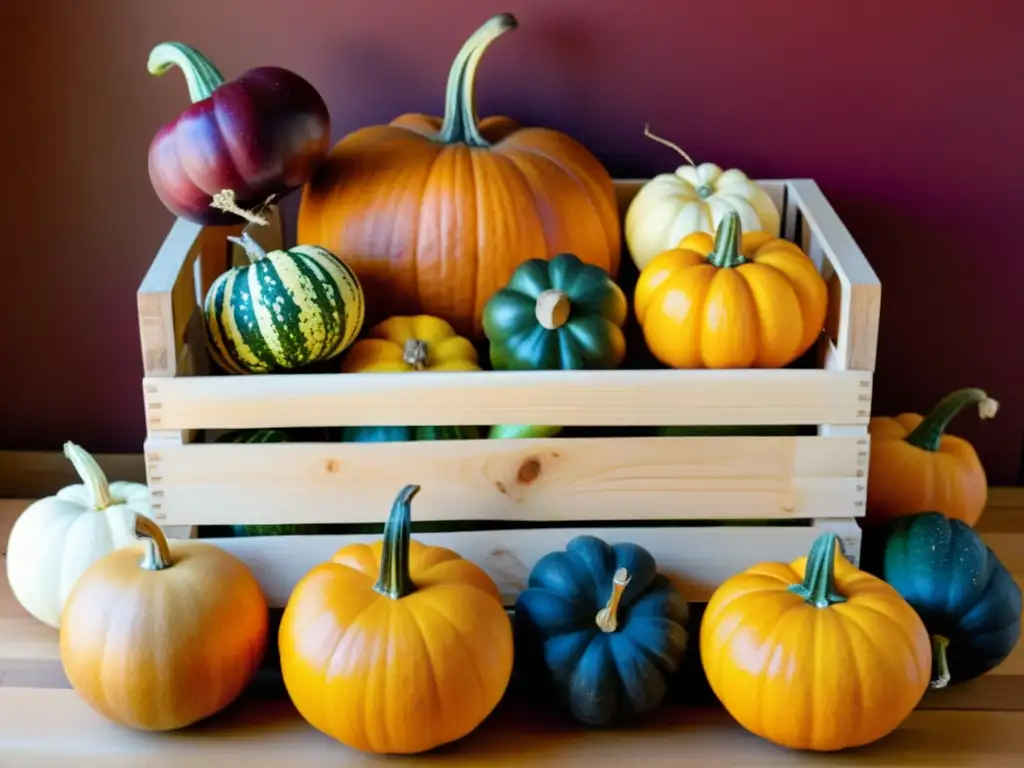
(608, 617)
(940, 664)
(92, 476)
(158, 551)
(928, 434)
(460, 120)
(819, 584)
(726, 253)
(201, 76)
(394, 580)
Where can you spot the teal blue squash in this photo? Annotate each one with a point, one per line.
(406, 434)
(599, 628)
(963, 593)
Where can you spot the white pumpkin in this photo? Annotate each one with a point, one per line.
(55, 539)
(693, 199)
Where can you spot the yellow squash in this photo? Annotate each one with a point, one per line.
(411, 343)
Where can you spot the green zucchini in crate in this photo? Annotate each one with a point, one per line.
(285, 310)
(405, 434)
(260, 436)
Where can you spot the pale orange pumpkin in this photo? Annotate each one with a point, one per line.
(716, 303)
(434, 215)
(161, 636)
(395, 647)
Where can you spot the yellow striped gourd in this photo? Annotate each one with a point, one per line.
(284, 310)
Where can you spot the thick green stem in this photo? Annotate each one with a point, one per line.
(157, 556)
(819, 584)
(928, 434)
(91, 474)
(460, 120)
(726, 253)
(394, 580)
(201, 76)
(940, 665)
(252, 249)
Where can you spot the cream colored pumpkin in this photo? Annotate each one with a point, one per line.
(55, 539)
(693, 199)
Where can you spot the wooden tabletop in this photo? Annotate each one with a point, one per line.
(43, 722)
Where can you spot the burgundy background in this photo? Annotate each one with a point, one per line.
(907, 113)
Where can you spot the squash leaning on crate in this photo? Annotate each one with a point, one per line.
(434, 215)
(601, 629)
(161, 636)
(266, 130)
(960, 589)
(814, 654)
(409, 344)
(284, 310)
(916, 466)
(396, 610)
(758, 302)
(694, 199)
(57, 538)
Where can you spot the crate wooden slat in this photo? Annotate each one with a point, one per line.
(578, 484)
(570, 398)
(599, 479)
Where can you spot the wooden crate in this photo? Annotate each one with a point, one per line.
(672, 493)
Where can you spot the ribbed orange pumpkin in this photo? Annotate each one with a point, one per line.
(434, 215)
(730, 302)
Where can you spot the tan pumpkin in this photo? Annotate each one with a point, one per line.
(434, 215)
(161, 636)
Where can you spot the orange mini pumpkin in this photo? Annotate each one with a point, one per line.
(815, 654)
(916, 467)
(161, 637)
(396, 647)
(434, 215)
(714, 303)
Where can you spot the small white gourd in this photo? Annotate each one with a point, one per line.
(693, 199)
(55, 539)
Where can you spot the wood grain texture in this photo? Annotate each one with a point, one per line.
(600, 479)
(697, 560)
(569, 398)
(43, 723)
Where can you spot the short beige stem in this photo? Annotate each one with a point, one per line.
(158, 551)
(91, 474)
(607, 617)
(553, 308)
(252, 249)
(225, 201)
(415, 354)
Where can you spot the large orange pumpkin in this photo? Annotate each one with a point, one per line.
(434, 215)
(160, 637)
(730, 301)
(396, 647)
(815, 654)
(916, 467)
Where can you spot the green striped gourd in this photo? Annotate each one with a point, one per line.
(284, 310)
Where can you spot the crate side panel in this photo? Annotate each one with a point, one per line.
(697, 560)
(569, 398)
(512, 480)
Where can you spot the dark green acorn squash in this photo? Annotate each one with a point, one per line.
(967, 599)
(556, 315)
(599, 628)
